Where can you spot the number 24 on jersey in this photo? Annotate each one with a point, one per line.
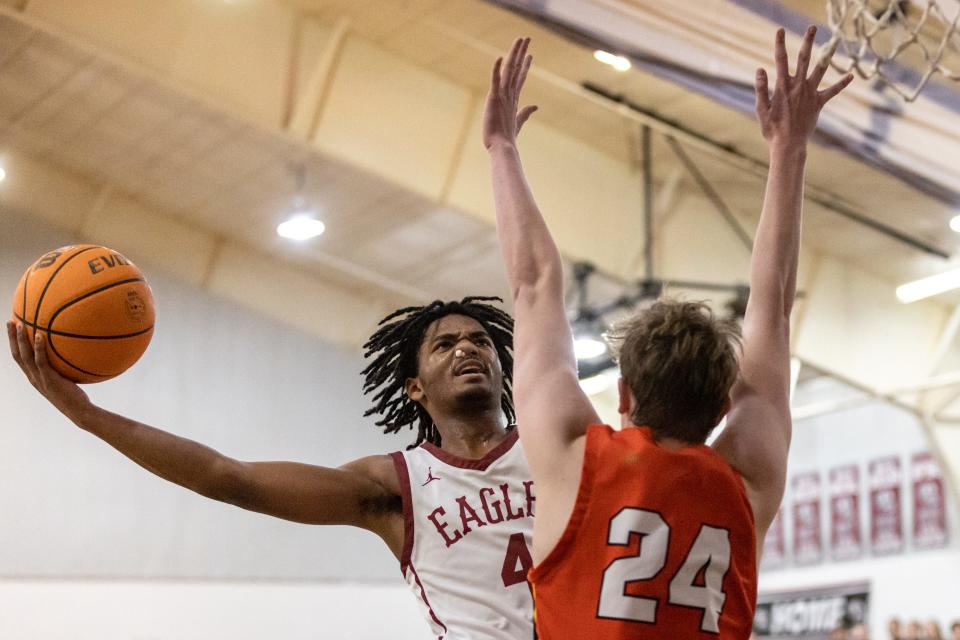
(710, 553)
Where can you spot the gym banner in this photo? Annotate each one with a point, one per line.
(810, 614)
(807, 542)
(929, 504)
(886, 521)
(845, 539)
(775, 544)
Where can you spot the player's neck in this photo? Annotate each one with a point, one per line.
(471, 436)
(670, 444)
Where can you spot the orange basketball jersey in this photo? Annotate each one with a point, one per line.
(660, 544)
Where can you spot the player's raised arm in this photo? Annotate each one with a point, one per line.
(757, 437)
(359, 494)
(552, 411)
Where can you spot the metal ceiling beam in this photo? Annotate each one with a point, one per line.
(826, 199)
(646, 139)
(947, 380)
(305, 112)
(622, 106)
(712, 194)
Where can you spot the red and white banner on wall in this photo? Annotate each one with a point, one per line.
(775, 544)
(807, 543)
(886, 519)
(929, 504)
(845, 538)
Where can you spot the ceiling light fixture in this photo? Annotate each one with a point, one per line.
(930, 286)
(588, 347)
(599, 383)
(955, 223)
(301, 227)
(3, 174)
(617, 62)
(302, 223)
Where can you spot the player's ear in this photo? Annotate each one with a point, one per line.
(625, 397)
(725, 409)
(414, 389)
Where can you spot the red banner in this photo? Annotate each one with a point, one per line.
(929, 505)
(807, 543)
(775, 545)
(845, 539)
(886, 521)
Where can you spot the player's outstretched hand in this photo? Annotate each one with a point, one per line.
(502, 118)
(32, 359)
(789, 114)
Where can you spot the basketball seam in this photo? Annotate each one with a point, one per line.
(73, 366)
(64, 334)
(72, 302)
(26, 279)
(43, 293)
(87, 295)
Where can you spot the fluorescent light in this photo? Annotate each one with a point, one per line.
(926, 287)
(600, 382)
(300, 228)
(586, 348)
(3, 174)
(955, 223)
(617, 62)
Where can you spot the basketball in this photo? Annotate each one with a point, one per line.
(94, 307)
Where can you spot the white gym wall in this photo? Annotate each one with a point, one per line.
(93, 546)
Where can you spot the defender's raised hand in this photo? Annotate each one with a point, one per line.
(502, 118)
(790, 113)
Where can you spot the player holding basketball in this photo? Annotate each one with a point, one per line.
(457, 511)
(647, 532)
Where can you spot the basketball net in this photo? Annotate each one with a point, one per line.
(881, 38)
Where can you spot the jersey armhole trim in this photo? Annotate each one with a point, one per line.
(400, 464)
(580, 505)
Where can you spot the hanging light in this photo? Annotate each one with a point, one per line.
(302, 222)
(300, 228)
(600, 382)
(588, 330)
(588, 347)
(955, 223)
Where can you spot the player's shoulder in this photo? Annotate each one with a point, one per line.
(379, 468)
(600, 435)
(713, 468)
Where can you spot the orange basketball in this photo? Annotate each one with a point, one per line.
(94, 307)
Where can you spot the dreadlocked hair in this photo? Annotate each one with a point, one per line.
(395, 348)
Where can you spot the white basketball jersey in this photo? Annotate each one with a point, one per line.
(469, 526)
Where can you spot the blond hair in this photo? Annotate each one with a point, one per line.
(679, 361)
